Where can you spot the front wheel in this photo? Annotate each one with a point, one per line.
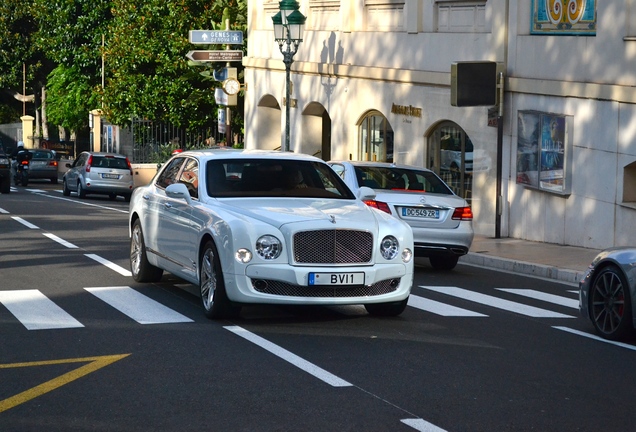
(610, 304)
(443, 263)
(387, 309)
(212, 287)
(141, 269)
(6, 186)
(65, 190)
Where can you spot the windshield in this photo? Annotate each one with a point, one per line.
(393, 178)
(273, 178)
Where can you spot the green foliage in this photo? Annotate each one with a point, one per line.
(69, 97)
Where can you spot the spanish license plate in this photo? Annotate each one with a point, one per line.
(110, 176)
(336, 278)
(420, 212)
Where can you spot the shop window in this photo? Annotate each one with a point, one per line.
(450, 155)
(629, 183)
(375, 137)
(542, 151)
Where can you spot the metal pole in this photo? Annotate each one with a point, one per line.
(287, 103)
(499, 201)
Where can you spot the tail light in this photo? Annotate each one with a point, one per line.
(129, 166)
(53, 163)
(463, 213)
(378, 205)
(24, 162)
(88, 163)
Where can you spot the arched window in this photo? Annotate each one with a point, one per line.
(450, 155)
(375, 138)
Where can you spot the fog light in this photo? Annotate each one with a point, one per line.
(243, 255)
(407, 255)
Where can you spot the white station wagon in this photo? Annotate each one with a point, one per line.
(268, 227)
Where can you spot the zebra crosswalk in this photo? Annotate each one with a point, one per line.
(35, 311)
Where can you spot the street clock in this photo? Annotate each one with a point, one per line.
(231, 86)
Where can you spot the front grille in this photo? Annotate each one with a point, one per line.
(333, 247)
(286, 289)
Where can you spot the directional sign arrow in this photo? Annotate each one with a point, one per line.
(231, 37)
(220, 55)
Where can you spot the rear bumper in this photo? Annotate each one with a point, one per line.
(425, 250)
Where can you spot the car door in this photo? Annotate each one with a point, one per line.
(72, 175)
(177, 237)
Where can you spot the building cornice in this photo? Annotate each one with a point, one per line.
(534, 86)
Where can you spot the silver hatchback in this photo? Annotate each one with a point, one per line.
(442, 222)
(99, 173)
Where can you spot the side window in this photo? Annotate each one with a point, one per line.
(190, 177)
(169, 175)
(80, 160)
(339, 169)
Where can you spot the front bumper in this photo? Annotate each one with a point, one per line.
(284, 284)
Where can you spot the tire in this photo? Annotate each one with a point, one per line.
(112, 196)
(65, 190)
(141, 269)
(24, 181)
(610, 304)
(54, 180)
(127, 197)
(80, 190)
(214, 299)
(443, 263)
(6, 186)
(387, 309)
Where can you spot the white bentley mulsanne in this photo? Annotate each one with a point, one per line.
(268, 227)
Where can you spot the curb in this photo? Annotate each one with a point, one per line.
(538, 270)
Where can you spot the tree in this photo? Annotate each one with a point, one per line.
(148, 75)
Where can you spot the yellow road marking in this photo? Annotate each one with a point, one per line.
(95, 364)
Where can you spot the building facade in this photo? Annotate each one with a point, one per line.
(372, 81)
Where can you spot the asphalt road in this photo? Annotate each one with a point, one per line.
(85, 348)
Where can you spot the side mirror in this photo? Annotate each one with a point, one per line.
(179, 191)
(365, 193)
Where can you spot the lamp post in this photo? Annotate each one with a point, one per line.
(289, 25)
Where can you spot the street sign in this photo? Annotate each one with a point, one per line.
(220, 55)
(230, 37)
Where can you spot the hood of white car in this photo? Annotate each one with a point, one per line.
(280, 211)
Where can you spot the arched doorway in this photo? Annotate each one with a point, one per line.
(269, 133)
(316, 127)
(375, 138)
(450, 155)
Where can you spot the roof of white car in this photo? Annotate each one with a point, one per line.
(379, 164)
(231, 153)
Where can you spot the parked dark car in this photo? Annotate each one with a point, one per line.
(43, 165)
(5, 171)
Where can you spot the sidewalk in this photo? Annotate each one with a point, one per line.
(552, 261)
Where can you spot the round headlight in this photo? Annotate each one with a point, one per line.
(389, 247)
(243, 255)
(268, 247)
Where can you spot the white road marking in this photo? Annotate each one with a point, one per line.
(422, 425)
(25, 223)
(85, 203)
(442, 309)
(36, 311)
(295, 360)
(596, 338)
(496, 302)
(550, 298)
(137, 306)
(60, 240)
(3, 211)
(119, 269)
(36, 190)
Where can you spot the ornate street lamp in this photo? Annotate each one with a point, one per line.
(289, 25)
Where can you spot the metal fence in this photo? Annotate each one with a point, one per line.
(154, 142)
